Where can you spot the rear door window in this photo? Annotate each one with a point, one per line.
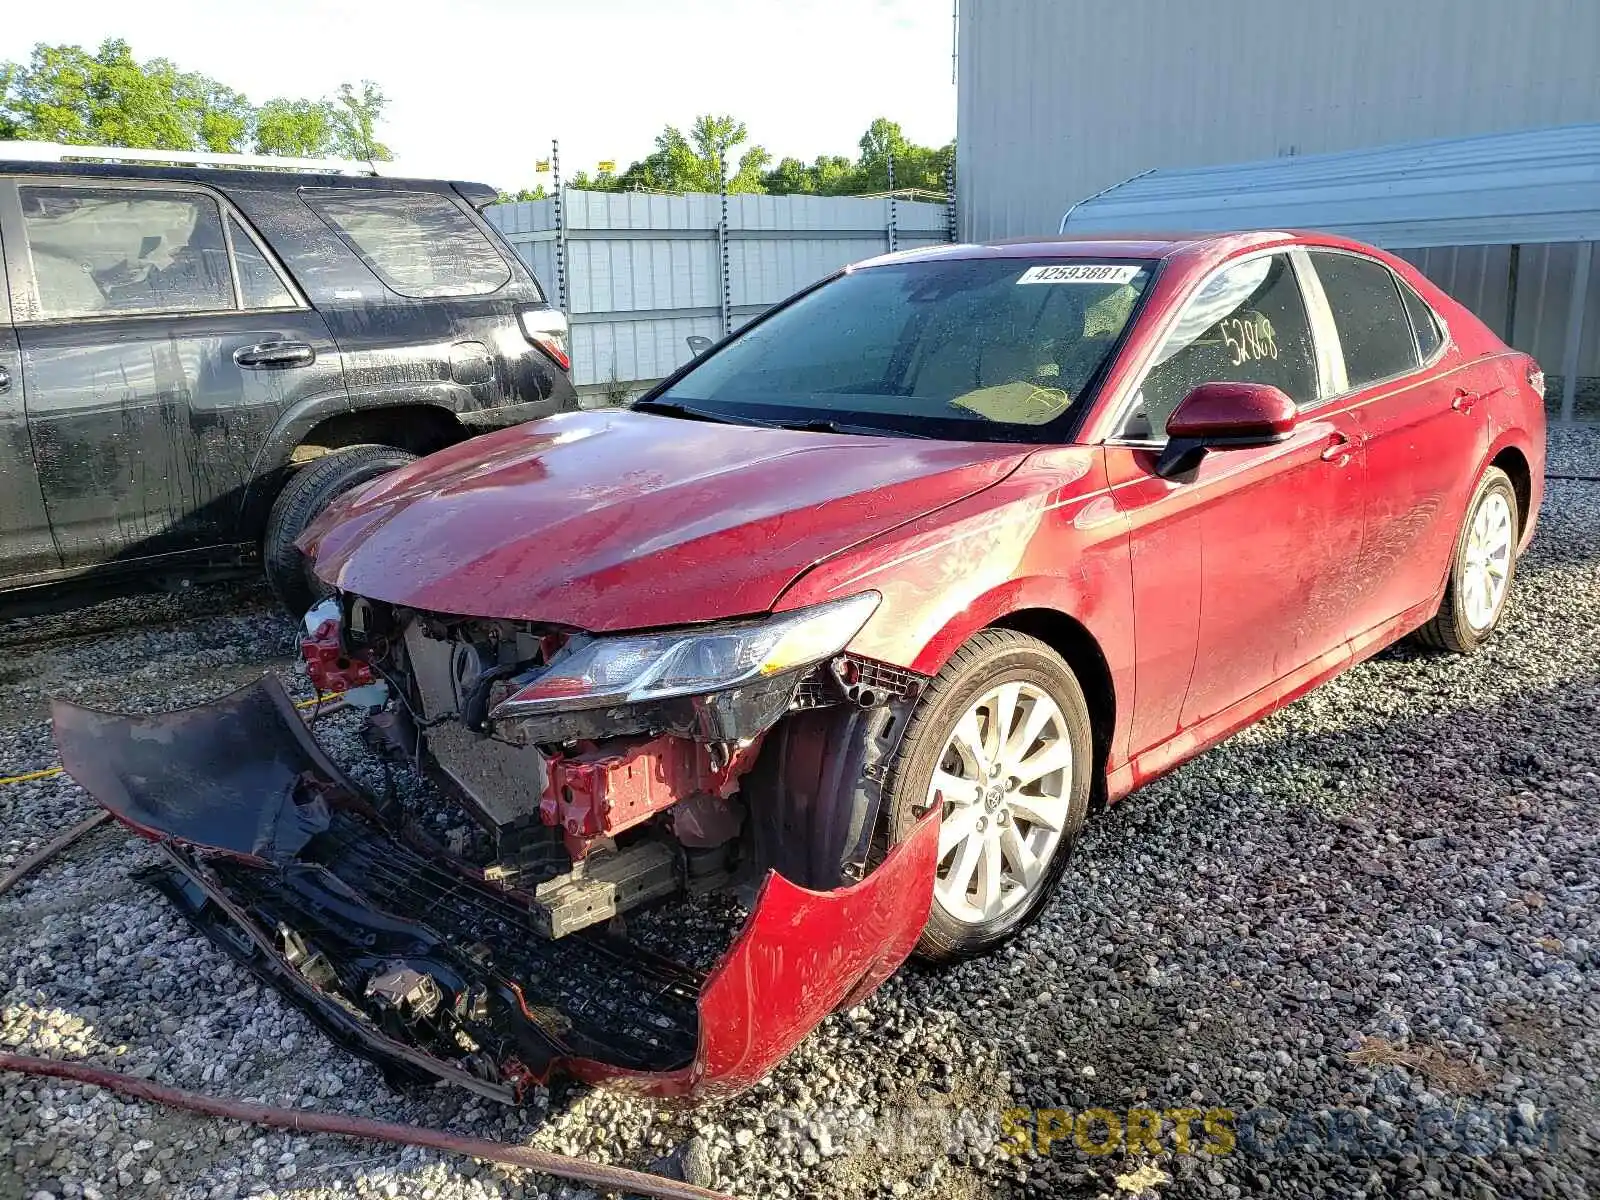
(1424, 322)
(260, 285)
(1374, 330)
(102, 251)
(1246, 324)
(419, 243)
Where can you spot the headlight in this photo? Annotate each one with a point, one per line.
(590, 672)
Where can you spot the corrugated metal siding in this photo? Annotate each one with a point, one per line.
(656, 257)
(1540, 185)
(1454, 208)
(1478, 277)
(1058, 100)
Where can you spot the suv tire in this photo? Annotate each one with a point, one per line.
(303, 498)
(972, 687)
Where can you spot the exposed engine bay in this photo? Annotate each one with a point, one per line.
(493, 972)
(600, 804)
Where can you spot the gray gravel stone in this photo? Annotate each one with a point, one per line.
(1380, 906)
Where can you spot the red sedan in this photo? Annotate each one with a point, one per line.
(864, 606)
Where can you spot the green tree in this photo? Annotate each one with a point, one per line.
(355, 118)
(828, 175)
(107, 97)
(295, 128)
(690, 162)
(66, 94)
(218, 118)
(914, 166)
(882, 141)
(10, 127)
(790, 176)
(534, 193)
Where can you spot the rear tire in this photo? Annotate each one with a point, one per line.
(304, 498)
(1005, 838)
(1482, 569)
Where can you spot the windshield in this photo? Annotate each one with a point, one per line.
(988, 348)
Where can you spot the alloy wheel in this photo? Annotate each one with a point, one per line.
(1486, 570)
(1004, 783)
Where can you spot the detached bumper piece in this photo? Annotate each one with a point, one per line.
(412, 959)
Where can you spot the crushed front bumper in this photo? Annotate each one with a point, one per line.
(411, 958)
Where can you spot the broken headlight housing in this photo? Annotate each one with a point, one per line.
(593, 672)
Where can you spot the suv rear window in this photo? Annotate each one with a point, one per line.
(418, 243)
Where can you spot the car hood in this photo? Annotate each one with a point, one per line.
(623, 520)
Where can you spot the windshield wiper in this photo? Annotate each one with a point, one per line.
(821, 425)
(670, 408)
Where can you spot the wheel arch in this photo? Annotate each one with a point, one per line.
(1086, 621)
(1071, 639)
(1511, 459)
(307, 434)
(415, 428)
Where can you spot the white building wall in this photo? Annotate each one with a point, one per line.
(1060, 98)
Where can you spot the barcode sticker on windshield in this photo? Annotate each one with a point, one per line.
(1080, 273)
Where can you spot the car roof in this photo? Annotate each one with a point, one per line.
(1195, 251)
(235, 176)
(1132, 245)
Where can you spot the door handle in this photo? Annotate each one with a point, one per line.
(5, 380)
(275, 355)
(1338, 449)
(1464, 400)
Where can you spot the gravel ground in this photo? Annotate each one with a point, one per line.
(1368, 928)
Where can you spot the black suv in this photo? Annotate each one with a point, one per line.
(195, 359)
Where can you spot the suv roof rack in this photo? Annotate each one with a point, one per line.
(57, 153)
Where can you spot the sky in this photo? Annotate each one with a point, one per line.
(478, 88)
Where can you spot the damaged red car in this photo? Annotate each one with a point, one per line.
(854, 618)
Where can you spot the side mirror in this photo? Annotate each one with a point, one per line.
(698, 345)
(1216, 416)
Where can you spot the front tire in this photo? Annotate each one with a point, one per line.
(1001, 741)
(1481, 570)
(300, 502)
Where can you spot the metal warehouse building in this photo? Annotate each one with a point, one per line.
(1059, 99)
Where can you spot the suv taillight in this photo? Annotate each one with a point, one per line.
(546, 328)
(1536, 379)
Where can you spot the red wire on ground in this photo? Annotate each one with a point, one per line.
(301, 1121)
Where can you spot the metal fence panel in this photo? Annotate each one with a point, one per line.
(644, 272)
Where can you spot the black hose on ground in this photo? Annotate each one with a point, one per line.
(301, 1121)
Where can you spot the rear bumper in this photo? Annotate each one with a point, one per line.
(412, 959)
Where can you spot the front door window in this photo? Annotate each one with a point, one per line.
(1246, 324)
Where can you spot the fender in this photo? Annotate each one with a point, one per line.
(1048, 537)
(1516, 421)
(274, 456)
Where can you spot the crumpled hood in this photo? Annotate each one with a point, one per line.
(622, 520)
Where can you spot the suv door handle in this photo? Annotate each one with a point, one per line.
(1464, 400)
(1338, 449)
(5, 380)
(275, 355)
